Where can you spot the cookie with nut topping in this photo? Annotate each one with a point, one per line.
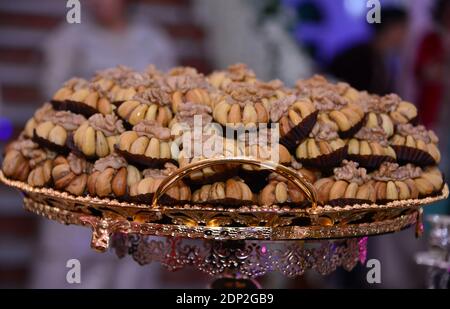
(232, 193)
(323, 149)
(112, 177)
(96, 137)
(416, 145)
(142, 191)
(296, 117)
(149, 144)
(349, 185)
(370, 148)
(71, 174)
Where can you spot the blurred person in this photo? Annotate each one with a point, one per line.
(432, 76)
(432, 67)
(372, 65)
(107, 37)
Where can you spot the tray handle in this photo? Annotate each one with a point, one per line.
(295, 178)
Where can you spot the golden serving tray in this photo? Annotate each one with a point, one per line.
(107, 217)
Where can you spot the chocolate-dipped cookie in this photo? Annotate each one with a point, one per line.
(71, 174)
(336, 102)
(349, 185)
(24, 160)
(280, 191)
(323, 149)
(152, 104)
(296, 117)
(231, 193)
(142, 191)
(96, 137)
(112, 177)
(394, 182)
(370, 148)
(55, 128)
(416, 145)
(149, 144)
(234, 73)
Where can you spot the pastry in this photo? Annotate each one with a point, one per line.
(231, 193)
(112, 177)
(153, 104)
(69, 88)
(25, 161)
(143, 190)
(247, 104)
(370, 147)
(39, 116)
(280, 191)
(56, 126)
(394, 182)
(349, 185)
(296, 119)
(123, 84)
(416, 145)
(207, 146)
(120, 134)
(337, 103)
(96, 137)
(234, 73)
(149, 144)
(323, 149)
(186, 85)
(82, 97)
(71, 174)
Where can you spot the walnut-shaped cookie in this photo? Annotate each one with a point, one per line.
(96, 137)
(25, 161)
(377, 113)
(71, 174)
(122, 83)
(247, 104)
(401, 112)
(55, 128)
(82, 97)
(233, 192)
(349, 185)
(280, 191)
(394, 182)
(416, 145)
(296, 117)
(149, 144)
(112, 177)
(186, 85)
(234, 73)
(194, 148)
(152, 104)
(39, 116)
(142, 191)
(323, 149)
(370, 148)
(336, 103)
(431, 182)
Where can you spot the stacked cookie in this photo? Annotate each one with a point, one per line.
(120, 134)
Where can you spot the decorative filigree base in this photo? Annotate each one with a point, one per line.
(243, 259)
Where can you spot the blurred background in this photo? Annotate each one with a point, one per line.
(408, 53)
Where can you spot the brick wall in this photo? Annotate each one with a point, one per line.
(23, 24)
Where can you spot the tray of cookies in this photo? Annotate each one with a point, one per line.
(224, 156)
